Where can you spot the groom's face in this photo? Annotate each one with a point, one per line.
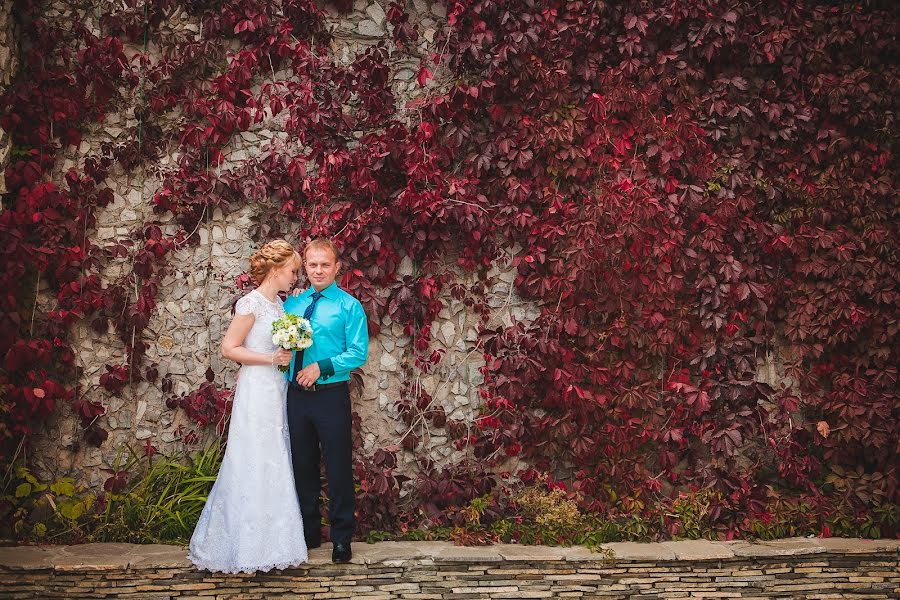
(321, 267)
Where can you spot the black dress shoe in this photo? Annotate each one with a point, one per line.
(313, 544)
(341, 553)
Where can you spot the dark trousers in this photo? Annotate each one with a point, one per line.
(322, 419)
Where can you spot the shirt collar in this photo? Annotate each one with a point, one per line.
(328, 292)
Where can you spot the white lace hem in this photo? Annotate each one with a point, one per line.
(233, 569)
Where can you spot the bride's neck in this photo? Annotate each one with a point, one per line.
(269, 292)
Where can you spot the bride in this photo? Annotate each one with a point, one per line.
(251, 521)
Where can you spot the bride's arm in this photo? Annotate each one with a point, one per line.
(233, 349)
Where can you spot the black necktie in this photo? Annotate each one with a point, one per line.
(307, 314)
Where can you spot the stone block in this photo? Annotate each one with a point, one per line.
(858, 546)
(158, 556)
(698, 550)
(29, 558)
(370, 29)
(470, 554)
(376, 13)
(516, 552)
(785, 547)
(634, 551)
(393, 551)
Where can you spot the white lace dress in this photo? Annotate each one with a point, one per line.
(251, 521)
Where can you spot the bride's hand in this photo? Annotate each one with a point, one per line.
(282, 357)
(296, 292)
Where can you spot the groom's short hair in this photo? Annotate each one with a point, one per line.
(323, 244)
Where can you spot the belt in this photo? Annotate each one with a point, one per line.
(317, 387)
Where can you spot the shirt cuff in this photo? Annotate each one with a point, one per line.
(326, 369)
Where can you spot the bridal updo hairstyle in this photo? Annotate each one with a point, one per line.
(272, 255)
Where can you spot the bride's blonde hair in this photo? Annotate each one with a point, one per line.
(272, 255)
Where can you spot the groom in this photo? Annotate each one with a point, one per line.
(318, 399)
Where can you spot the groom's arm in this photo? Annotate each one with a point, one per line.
(356, 333)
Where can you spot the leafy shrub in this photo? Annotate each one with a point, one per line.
(59, 512)
(165, 498)
(146, 500)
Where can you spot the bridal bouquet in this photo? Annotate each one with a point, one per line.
(291, 333)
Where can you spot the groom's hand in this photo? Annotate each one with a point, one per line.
(308, 375)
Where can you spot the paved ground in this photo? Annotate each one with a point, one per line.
(120, 556)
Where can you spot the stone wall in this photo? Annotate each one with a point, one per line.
(195, 297)
(8, 66)
(194, 300)
(794, 568)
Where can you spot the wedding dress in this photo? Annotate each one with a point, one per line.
(251, 520)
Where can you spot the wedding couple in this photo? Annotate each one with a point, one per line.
(263, 510)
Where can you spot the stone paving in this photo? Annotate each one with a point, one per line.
(789, 568)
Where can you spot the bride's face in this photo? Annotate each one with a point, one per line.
(285, 276)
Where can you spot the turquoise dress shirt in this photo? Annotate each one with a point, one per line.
(340, 333)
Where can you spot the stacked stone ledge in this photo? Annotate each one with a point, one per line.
(793, 568)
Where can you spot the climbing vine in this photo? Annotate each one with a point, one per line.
(697, 189)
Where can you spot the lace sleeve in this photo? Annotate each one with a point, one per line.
(246, 306)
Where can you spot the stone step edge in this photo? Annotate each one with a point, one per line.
(115, 556)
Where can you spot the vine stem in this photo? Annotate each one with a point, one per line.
(6, 478)
(37, 285)
(197, 227)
